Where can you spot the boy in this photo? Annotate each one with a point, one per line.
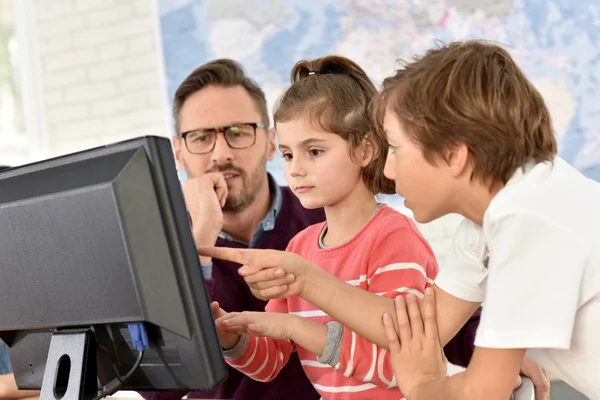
(471, 135)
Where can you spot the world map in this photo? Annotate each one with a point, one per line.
(556, 43)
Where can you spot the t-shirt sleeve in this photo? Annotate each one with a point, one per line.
(536, 269)
(462, 273)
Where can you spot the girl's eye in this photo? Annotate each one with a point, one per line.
(315, 152)
(286, 156)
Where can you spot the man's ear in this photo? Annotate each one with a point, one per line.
(271, 146)
(176, 141)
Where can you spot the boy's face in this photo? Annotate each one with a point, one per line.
(318, 166)
(426, 188)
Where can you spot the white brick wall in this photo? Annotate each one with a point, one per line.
(100, 72)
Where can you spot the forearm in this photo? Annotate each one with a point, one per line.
(208, 240)
(453, 388)
(205, 237)
(458, 387)
(260, 358)
(361, 311)
(356, 309)
(308, 334)
(491, 376)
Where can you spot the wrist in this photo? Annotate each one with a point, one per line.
(416, 391)
(293, 326)
(205, 260)
(230, 341)
(313, 279)
(205, 239)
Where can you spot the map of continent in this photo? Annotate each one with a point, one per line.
(555, 42)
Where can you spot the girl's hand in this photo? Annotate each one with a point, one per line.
(269, 324)
(227, 339)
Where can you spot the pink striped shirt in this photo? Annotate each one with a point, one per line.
(388, 257)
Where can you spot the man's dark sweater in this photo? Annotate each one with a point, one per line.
(231, 291)
(233, 294)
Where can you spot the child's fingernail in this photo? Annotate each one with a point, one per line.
(429, 291)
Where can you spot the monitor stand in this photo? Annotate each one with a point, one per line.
(70, 372)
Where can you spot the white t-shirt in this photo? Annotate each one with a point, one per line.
(536, 266)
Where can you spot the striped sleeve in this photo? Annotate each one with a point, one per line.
(401, 263)
(264, 357)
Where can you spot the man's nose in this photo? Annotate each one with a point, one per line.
(222, 153)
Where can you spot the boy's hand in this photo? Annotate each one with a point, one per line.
(270, 324)
(539, 377)
(270, 274)
(227, 339)
(416, 353)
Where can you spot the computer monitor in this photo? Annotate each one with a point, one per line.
(93, 241)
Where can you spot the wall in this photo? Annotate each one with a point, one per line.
(100, 78)
(99, 72)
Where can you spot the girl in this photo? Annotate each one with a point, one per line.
(333, 160)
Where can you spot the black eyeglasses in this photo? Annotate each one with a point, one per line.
(237, 136)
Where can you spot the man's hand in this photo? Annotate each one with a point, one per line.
(270, 324)
(270, 274)
(539, 377)
(416, 353)
(205, 196)
(227, 339)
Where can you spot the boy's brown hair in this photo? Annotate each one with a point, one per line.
(222, 72)
(473, 93)
(335, 94)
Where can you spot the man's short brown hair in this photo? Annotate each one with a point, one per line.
(223, 72)
(473, 93)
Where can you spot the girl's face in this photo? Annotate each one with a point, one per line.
(318, 166)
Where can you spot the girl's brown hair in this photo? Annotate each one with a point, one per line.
(335, 94)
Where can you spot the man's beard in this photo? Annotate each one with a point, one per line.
(250, 184)
(250, 187)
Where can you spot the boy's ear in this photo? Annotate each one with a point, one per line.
(457, 159)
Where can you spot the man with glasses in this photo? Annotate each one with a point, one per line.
(223, 143)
